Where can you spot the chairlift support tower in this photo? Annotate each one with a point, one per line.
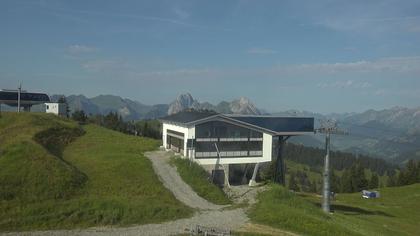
(329, 127)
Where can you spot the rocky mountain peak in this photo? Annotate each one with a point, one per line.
(182, 102)
(239, 106)
(244, 106)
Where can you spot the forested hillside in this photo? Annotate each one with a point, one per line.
(314, 157)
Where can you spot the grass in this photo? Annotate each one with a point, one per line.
(99, 178)
(28, 170)
(395, 213)
(195, 176)
(280, 208)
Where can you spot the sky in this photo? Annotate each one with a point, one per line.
(321, 56)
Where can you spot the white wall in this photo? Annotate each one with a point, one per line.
(176, 128)
(56, 108)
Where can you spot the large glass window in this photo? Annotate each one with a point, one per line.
(219, 129)
(231, 140)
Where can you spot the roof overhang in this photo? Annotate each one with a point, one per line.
(231, 120)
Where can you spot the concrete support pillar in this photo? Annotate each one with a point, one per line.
(252, 182)
(27, 108)
(280, 171)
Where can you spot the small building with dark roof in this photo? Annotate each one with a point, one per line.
(27, 99)
(216, 140)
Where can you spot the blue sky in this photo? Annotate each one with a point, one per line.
(322, 56)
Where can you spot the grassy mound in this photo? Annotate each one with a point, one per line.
(28, 170)
(55, 139)
(50, 179)
(395, 213)
(195, 176)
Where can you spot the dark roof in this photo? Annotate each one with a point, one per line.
(279, 124)
(271, 124)
(10, 97)
(185, 117)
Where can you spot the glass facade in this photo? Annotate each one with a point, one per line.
(219, 129)
(24, 96)
(231, 140)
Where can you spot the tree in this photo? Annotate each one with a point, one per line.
(96, 119)
(418, 173)
(374, 181)
(292, 182)
(313, 188)
(111, 121)
(146, 132)
(63, 100)
(402, 179)
(354, 179)
(361, 181)
(303, 180)
(411, 172)
(392, 180)
(80, 116)
(346, 182)
(335, 182)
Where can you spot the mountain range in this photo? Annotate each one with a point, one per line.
(392, 134)
(133, 110)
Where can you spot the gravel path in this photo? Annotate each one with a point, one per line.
(170, 178)
(233, 219)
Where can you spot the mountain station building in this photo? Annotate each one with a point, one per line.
(216, 140)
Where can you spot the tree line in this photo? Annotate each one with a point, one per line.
(114, 121)
(354, 179)
(409, 175)
(314, 157)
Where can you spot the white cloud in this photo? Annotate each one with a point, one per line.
(380, 92)
(372, 25)
(101, 65)
(346, 84)
(261, 51)
(357, 75)
(180, 13)
(382, 65)
(79, 49)
(178, 72)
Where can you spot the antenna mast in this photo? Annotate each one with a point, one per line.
(19, 91)
(328, 127)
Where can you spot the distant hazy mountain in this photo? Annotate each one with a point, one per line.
(239, 106)
(103, 104)
(388, 133)
(392, 134)
(134, 110)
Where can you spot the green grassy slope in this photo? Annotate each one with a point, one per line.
(395, 213)
(99, 178)
(195, 176)
(28, 170)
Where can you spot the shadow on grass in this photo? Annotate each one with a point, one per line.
(350, 210)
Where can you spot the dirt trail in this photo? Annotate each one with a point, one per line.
(172, 181)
